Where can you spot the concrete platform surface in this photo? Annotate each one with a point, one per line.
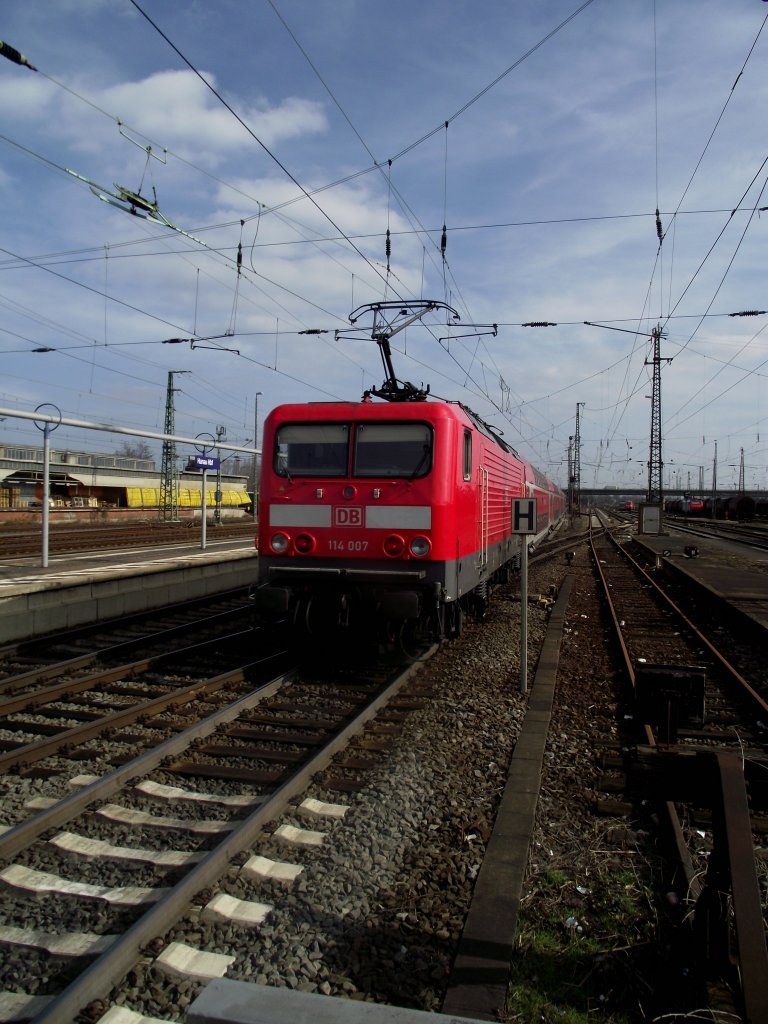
(736, 576)
(76, 592)
(238, 1002)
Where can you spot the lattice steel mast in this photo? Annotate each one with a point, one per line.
(168, 510)
(577, 464)
(655, 494)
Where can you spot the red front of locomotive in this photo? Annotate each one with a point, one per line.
(357, 481)
(382, 512)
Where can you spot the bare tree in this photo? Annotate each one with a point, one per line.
(135, 450)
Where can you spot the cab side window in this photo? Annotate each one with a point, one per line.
(467, 454)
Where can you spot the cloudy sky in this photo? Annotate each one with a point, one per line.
(282, 139)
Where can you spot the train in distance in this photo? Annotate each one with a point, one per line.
(735, 507)
(389, 520)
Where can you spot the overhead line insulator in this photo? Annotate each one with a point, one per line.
(12, 54)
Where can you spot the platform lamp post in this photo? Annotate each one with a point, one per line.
(47, 426)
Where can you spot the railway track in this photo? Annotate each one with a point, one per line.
(378, 906)
(111, 641)
(359, 919)
(699, 750)
(654, 630)
(17, 544)
(755, 536)
(116, 883)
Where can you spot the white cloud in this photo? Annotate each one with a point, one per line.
(169, 109)
(177, 109)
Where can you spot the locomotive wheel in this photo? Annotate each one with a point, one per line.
(409, 639)
(316, 618)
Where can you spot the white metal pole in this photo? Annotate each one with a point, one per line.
(203, 503)
(524, 615)
(46, 490)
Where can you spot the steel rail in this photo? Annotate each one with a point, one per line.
(109, 969)
(734, 845)
(31, 753)
(19, 836)
(38, 675)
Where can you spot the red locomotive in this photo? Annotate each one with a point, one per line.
(398, 515)
(392, 519)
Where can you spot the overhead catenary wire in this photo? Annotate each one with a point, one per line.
(253, 134)
(491, 85)
(320, 319)
(443, 236)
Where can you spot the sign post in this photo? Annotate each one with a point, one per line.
(524, 523)
(204, 462)
(203, 519)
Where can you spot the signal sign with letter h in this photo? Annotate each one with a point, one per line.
(524, 515)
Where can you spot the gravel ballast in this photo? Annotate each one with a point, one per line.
(379, 908)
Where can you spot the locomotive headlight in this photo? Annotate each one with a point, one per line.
(279, 543)
(304, 544)
(420, 547)
(394, 546)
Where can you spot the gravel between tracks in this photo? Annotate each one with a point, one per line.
(381, 904)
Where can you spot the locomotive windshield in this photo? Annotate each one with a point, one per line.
(393, 449)
(381, 450)
(312, 449)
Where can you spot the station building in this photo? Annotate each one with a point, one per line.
(90, 486)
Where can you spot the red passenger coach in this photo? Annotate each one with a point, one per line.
(394, 518)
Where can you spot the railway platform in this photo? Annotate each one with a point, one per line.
(76, 589)
(717, 567)
(238, 1002)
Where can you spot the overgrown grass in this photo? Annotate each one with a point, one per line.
(583, 947)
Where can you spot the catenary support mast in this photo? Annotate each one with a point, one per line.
(577, 462)
(168, 510)
(655, 493)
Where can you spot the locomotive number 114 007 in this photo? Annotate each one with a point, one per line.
(348, 545)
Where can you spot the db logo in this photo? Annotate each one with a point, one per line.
(347, 515)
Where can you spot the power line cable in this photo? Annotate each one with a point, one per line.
(256, 139)
(528, 53)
